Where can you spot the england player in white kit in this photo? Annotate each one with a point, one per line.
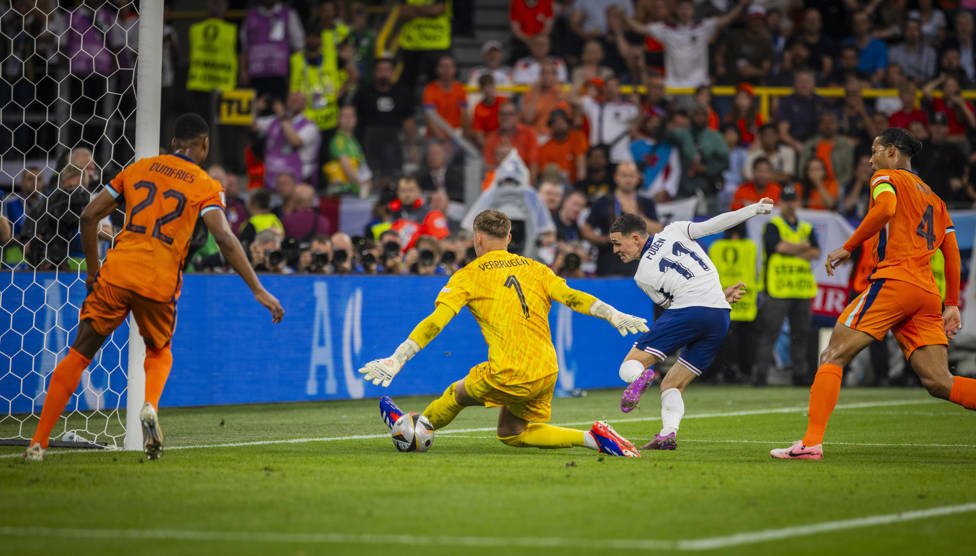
(676, 273)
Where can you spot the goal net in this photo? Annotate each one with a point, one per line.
(68, 92)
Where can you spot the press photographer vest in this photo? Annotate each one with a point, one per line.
(213, 56)
(735, 261)
(319, 84)
(788, 276)
(427, 33)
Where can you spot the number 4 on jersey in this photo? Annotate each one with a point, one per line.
(926, 228)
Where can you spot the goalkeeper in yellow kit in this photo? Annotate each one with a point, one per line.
(510, 296)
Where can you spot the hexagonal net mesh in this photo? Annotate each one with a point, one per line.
(68, 123)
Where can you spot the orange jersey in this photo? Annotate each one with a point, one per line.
(904, 247)
(164, 195)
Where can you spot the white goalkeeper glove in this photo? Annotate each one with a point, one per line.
(382, 371)
(623, 322)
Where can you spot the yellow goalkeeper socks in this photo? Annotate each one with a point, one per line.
(546, 436)
(444, 409)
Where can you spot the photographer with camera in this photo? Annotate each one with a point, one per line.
(344, 255)
(390, 260)
(569, 260)
(316, 257)
(266, 253)
(423, 259)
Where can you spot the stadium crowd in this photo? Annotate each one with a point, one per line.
(593, 123)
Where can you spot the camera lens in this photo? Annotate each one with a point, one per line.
(340, 256)
(275, 257)
(470, 254)
(448, 257)
(572, 261)
(319, 260)
(391, 249)
(368, 259)
(426, 257)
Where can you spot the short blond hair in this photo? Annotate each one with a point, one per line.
(493, 223)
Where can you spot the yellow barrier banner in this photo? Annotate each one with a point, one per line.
(236, 107)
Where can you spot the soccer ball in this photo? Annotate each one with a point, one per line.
(413, 433)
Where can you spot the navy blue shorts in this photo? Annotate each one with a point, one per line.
(700, 330)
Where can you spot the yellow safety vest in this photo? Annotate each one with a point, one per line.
(735, 261)
(788, 276)
(427, 33)
(938, 271)
(213, 56)
(262, 222)
(320, 89)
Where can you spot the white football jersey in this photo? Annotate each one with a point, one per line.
(675, 271)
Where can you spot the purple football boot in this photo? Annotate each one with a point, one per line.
(667, 442)
(632, 393)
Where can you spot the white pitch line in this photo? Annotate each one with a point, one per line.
(742, 413)
(688, 545)
(831, 443)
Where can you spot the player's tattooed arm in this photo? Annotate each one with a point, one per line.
(430, 327)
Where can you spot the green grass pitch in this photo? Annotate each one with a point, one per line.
(341, 488)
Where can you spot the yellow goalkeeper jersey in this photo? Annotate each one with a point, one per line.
(509, 296)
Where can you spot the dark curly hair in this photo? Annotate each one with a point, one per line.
(902, 139)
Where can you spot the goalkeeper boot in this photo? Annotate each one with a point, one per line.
(666, 442)
(632, 393)
(389, 411)
(152, 433)
(34, 453)
(798, 451)
(612, 443)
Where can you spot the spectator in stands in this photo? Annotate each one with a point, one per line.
(908, 113)
(847, 67)
(485, 117)
(854, 121)
(624, 199)
(591, 65)
(315, 258)
(514, 135)
(306, 221)
(796, 56)
(686, 42)
(347, 171)
(703, 96)
(746, 56)
(5, 230)
(266, 254)
(781, 157)
(291, 140)
(81, 157)
(447, 98)
(599, 175)
(933, 21)
(799, 113)
(262, 218)
(816, 188)
(423, 259)
(857, 193)
(568, 215)
(789, 245)
(440, 174)
(236, 207)
(958, 112)
(270, 33)
(872, 52)
(528, 70)
(836, 151)
(570, 260)
(18, 205)
(362, 38)
(343, 254)
(704, 156)
(56, 243)
(551, 194)
(314, 73)
(283, 197)
(610, 117)
(732, 177)
(942, 166)
(655, 96)
(894, 79)
(425, 37)
(383, 109)
(658, 159)
(528, 18)
(565, 148)
(491, 51)
(915, 57)
(412, 217)
(744, 113)
(544, 97)
(962, 41)
(761, 185)
(950, 64)
(821, 48)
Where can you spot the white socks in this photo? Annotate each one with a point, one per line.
(672, 410)
(589, 441)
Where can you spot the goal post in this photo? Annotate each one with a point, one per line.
(149, 71)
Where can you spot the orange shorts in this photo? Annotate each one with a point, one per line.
(913, 314)
(107, 306)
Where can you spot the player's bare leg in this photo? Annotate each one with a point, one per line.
(515, 431)
(844, 344)
(63, 383)
(672, 407)
(932, 366)
(640, 363)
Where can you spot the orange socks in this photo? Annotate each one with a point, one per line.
(823, 398)
(64, 381)
(158, 364)
(963, 392)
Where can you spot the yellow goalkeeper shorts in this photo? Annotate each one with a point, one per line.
(531, 401)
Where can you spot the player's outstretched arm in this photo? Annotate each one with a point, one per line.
(878, 215)
(98, 208)
(728, 220)
(382, 371)
(951, 319)
(231, 249)
(582, 302)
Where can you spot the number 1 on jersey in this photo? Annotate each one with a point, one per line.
(512, 282)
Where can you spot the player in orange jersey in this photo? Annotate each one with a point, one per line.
(163, 196)
(911, 222)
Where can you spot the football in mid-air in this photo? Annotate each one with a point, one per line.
(413, 433)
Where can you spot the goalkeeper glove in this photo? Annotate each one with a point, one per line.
(623, 322)
(382, 371)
